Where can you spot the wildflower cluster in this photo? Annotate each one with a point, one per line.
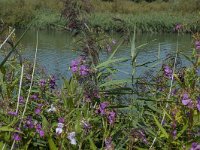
(78, 67)
(103, 111)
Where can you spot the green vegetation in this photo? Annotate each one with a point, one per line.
(92, 109)
(153, 22)
(20, 13)
(156, 16)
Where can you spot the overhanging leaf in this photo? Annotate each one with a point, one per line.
(161, 128)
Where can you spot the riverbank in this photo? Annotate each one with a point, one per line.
(111, 22)
(117, 16)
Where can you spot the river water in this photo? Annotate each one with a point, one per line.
(55, 49)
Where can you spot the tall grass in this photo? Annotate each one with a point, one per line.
(153, 22)
(21, 12)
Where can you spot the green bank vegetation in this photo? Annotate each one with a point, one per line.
(156, 16)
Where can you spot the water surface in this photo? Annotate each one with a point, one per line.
(55, 50)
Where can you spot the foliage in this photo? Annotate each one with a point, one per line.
(92, 110)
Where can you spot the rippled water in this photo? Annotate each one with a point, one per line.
(55, 49)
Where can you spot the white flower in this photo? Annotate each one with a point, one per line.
(59, 129)
(60, 125)
(71, 137)
(52, 109)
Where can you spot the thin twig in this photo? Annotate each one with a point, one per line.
(34, 64)
(29, 91)
(20, 86)
(7, 38)
(170, 90)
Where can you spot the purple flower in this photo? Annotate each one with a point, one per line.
(74, 65)
(34, 97)
(178, 27)
(21, 99)
(186, 101)
(39, 130)
(52, 82)
(42, 82)
(61, 120)
(174, 91)
(108, 143)
(41, 133)
(198, 103)
(168, 71)
(197, 45)
(87, 97)
(195, 146)
(102, 108)
(96, 94)
(37, 111)
(84, 71)
(16, 137)
(12, 113)
(86, 126)
(29, 122)
(174, 133)
(111, 117)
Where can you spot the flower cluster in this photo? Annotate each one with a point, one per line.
(39, 130)
(89, 95)
(197, 45)
(186, 101)
(168, 72)
(77, 66)
(42, 82)
(108, 144)
(103, 111)
(178, 27)
(38, 109)
(195, 146)
(60, 126)
(71, 136)
(16, 136)
(52, 82)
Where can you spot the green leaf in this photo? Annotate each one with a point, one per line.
(8, 129)
(161, 128)
(114, 82)
(92, 145)
(108, 62)
(27, 145)
(182, 131)
(112, 55)
(45, 123)
(52, 145)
